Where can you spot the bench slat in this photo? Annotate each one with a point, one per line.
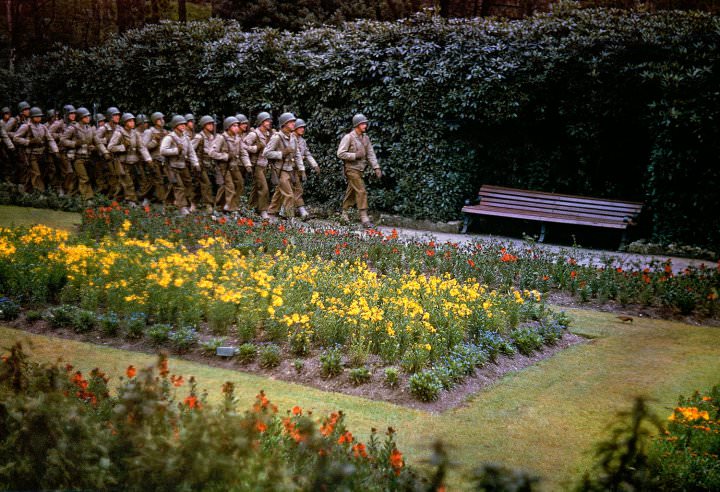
(556, 201)
(544, 217)
(560, 210)
(576, 198)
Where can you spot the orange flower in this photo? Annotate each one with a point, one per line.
(261, 426)
(163, 365)
(471, 263)
(573, 274)
(396, 461)
(430, 252)
(296, 410)
(192, 402)
(508, 258)
(619, 269)
(347, 437)
(177, 381)
(545, 278)
(572, 261)
(359, 450)
(328, 427)
(130, 372)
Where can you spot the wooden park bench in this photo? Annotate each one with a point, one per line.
(552, 207)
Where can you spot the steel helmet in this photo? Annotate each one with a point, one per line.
(264, 116)
(69, 108)
(242, 118)
(99, 117)
(140, 119)
(82, 112)
(176, 120)
(126, 117)
(5, 110)
(189, 117)
(299, 123)
(205, 120)
(359, 119)
(51, 113)
(229, 121)
(286, 118)
(157, 115)
(112, 111)
(35, 111)
(23, 106)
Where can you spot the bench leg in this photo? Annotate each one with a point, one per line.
(623, 239)
(467, 220)
(542, 232)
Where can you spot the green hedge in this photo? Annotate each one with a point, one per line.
(589, 101)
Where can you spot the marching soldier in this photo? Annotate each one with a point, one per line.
(101, 164)
(7, 149)
(190, 125)
(202, 144)
(36, 140)
(356, 151)
(112, 170)
(152, 138)
(177, 149)
(255, 143)
(128, 147)
(62, 175)
(283, 154)
(141, 123)
(230, 153)
(81, 141)
(14, 123)
(305, 155)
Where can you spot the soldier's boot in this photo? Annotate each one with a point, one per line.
(193, 208)
(304, 214)
(365, 220)
(344, 217)
(184, 211)
(264, 215)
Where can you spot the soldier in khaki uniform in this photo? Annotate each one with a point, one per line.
(101, 164)
(202, 144)
(230, 153)
(189, 125)
(81, 141)
(112, 170)
(305, 155)
(7, 149)
(178, 151)
(255, 142)
(35, 138)
(13, 124)
(128, 148)
(283, 155)
(62, 175)
(155, 171)
(356, 151)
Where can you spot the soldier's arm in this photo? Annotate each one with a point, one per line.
(20, 138)
(310, 158)
(148, 140)
(6, 138)
(66, 140)
(166, 149)
(249, 141)
(115, 145)
(196, 141)
(99, 146)
(192, 155)
(343, 151)
(299, 157)
(218, 151)
(143, 150)
(51, 143)
(56, 130)
(370, 152)
(270, 151)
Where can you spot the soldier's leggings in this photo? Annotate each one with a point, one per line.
(126, 180)
(203, 186)
(98, 173)
(283, 199)
(67, 175)
(298, 192)
(34, 179)
(83, 178)
(260, 196)
(182, 187)
(356, 193)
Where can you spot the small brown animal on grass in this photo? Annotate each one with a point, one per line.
(625, 319)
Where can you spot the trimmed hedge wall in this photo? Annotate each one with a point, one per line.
(600, 102)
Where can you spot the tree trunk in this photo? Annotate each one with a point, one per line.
(182, 10)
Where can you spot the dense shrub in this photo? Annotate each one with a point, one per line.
(601, 102)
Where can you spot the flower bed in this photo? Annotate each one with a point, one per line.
(63, 429)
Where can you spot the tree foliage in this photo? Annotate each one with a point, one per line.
(600, 102)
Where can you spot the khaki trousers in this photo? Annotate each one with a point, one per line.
(260, 196)
(283, 199)
(356, 193)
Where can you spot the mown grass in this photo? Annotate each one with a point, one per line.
(545, 419)
(25, 216)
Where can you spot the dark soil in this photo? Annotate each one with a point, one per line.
(310, 374)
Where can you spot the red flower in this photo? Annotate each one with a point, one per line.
(396, 461)
(260, 426)
(471, 263)
(192, 402)
(573, 274)
(359, 450)
(430, 252)
(347, 437)
(130, 372)
(296, 410)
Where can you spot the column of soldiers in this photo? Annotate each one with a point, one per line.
(137, 160)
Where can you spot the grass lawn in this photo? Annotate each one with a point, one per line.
(544, 419)
(25, 216)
